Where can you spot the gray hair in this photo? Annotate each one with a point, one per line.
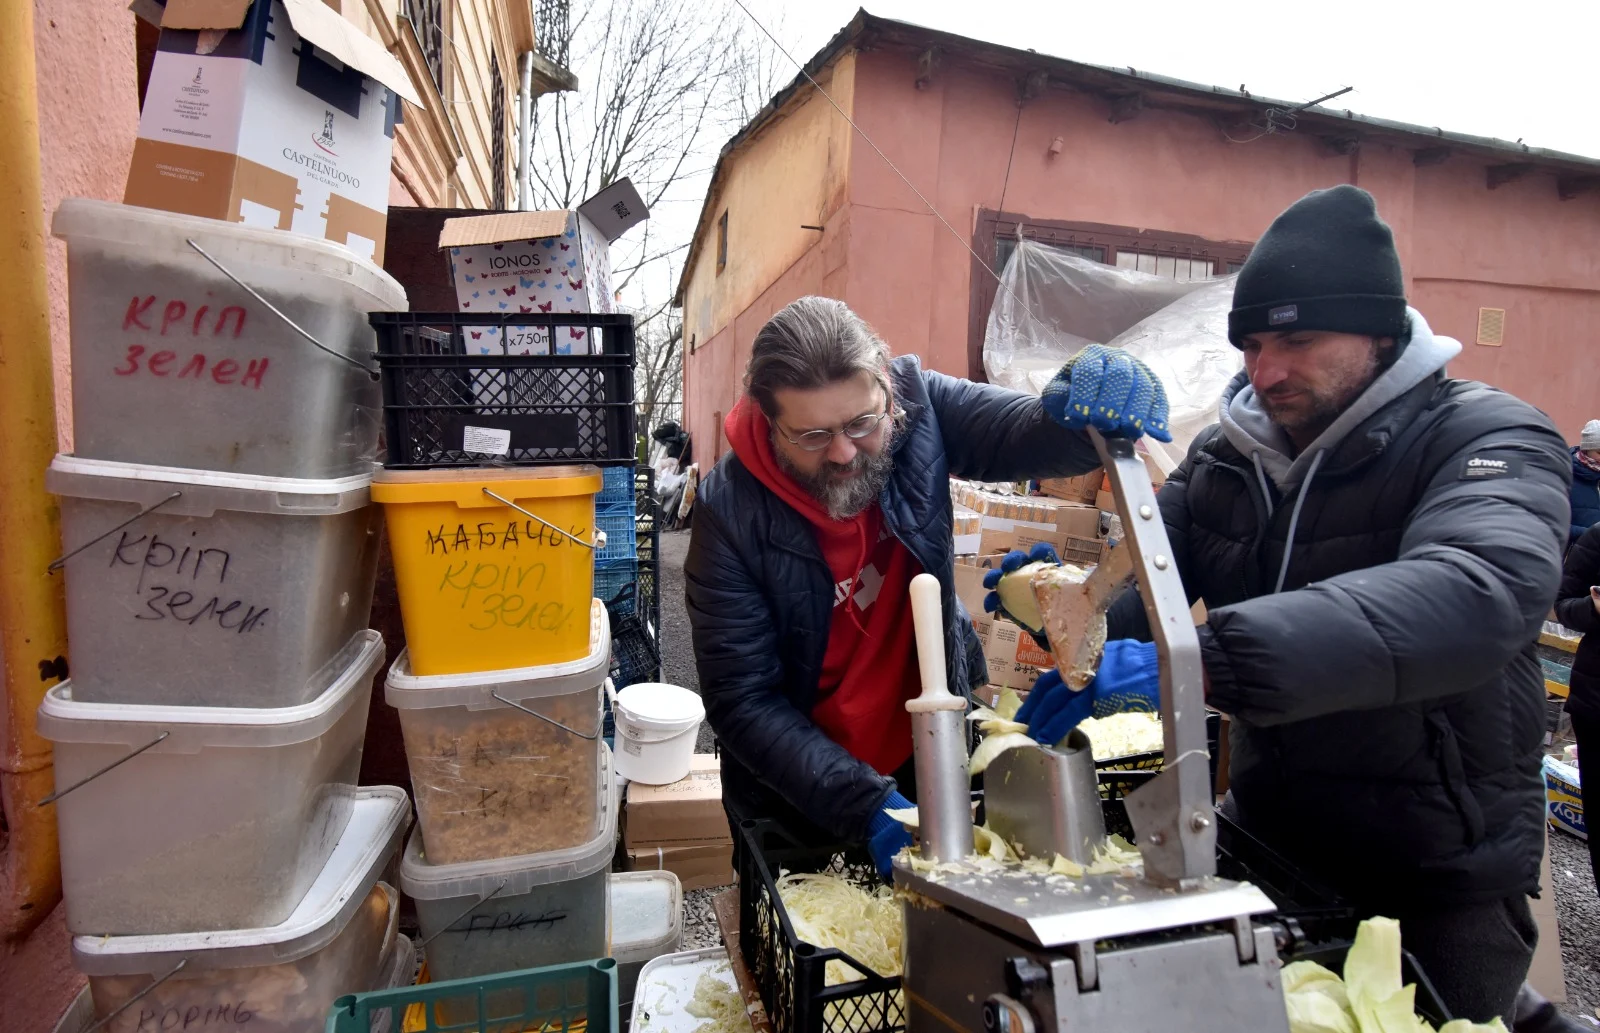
(811, 343)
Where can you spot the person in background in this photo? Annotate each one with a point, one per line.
(1585, 481)
(1578, 608)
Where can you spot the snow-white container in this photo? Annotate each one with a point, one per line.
(502, 761)
(216, 817)
(656, 728)
(527, 911)
(175, 363)
(646, 922)
(341, 938)
(668, 983)
(234, 591)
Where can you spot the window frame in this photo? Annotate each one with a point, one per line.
(498, 131)
(993, 225)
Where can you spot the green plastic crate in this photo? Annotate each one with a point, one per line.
(576, 998)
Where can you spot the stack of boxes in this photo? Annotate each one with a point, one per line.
(681, 827)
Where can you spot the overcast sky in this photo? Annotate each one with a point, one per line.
(1523, 70)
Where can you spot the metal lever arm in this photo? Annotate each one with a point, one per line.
(1173, 815)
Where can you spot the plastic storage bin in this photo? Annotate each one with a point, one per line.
(646, 922)
(515, 912)
(235, 591)
(492, 779)
(483, 586)
(175, 363)
(222, 824)
(280, 979)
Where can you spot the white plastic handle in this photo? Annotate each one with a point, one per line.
(927, 615)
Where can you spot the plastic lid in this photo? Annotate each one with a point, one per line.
(63, 719)
(512, 876)
(380, 818)
(465, 486)
(205, 491)
(658, 702)
(406, 691)
(79, 219)
(646, 913)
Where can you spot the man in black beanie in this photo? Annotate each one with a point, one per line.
(1376, 545)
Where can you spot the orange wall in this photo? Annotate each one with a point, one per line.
(1462, 245)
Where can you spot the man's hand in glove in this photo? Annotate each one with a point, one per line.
(1110, 390)
(1011, 596)
(1129, 679)
(886, 836)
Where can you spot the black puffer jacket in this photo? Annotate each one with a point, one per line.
(760, 596)
(1575, 610)
(1388, 704)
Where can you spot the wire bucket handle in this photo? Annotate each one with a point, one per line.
(80, 783)
(61, 561)
(600, 727)
(599, 535)
(470, 909)
(136, 998)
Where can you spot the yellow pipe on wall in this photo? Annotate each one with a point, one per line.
(32, 620)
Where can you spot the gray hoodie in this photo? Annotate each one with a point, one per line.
(1250, 430)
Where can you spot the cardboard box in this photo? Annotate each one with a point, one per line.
(1014, 659)
(687, 811)
(969, 587)
(1103, 500)
(539, 262)
(1073, 489)
(276, 113)
(1081, 550)
(698, 867)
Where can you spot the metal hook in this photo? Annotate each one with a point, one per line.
(136, 998)
(296, 327)
(61, 561)
(599, 536)
(473, 907)
(550, 720)
(59, 793)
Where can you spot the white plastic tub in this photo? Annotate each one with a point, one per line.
(667, 985)
(173, 363)
(340, 939)
(223, 824)
(519, 912)
(656, 729)
(646, 922)
(240, 591)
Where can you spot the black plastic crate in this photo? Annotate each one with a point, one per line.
(555, 408)
(1154, 760)
(791, 973)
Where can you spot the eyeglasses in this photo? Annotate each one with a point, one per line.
(855, 430)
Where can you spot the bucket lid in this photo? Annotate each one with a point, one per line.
(406, 691)
(63, 719)
(660, 706)
(231, 243)
(512, 876)
(379, 819)
(646, 912)
(464, 486)
(204, 492)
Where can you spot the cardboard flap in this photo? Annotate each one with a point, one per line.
(202, 14)
(495, 229)
(615, 210)
(329, 30)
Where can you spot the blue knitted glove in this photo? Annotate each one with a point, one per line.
(886, 836)
(1129, 679)
(1042, 552)
(1110, 390)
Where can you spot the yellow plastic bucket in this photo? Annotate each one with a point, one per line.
(485, 585)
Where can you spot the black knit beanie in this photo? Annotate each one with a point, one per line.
(1326, 263)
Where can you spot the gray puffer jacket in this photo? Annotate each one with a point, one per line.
(1373, 603)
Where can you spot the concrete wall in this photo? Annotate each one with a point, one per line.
(1462, 246)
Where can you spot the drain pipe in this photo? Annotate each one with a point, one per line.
(524, 128)
(32, 619)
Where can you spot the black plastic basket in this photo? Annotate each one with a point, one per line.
(791, 973)
(440, 393)
(635, 657)
(1154, 760)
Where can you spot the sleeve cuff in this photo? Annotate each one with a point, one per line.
(881, 820)
(1223, 691)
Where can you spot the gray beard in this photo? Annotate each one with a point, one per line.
(844, 499)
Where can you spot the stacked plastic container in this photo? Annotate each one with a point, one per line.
(219, 863)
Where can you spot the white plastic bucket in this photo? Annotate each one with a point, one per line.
(656, 729)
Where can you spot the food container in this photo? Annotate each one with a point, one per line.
(216, 818)
(504, 760)
(175, 363)
(515, 912)
(283, 978)
(495, 567)
(670, 981)
(646, 922)
(234, 591)
(656, 729)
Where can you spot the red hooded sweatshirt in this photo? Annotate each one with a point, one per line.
(870, 667)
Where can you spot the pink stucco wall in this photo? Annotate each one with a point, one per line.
(1462, 246)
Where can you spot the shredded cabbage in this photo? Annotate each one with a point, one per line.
(831, 911)
(1123, 735)
(720, 1003)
